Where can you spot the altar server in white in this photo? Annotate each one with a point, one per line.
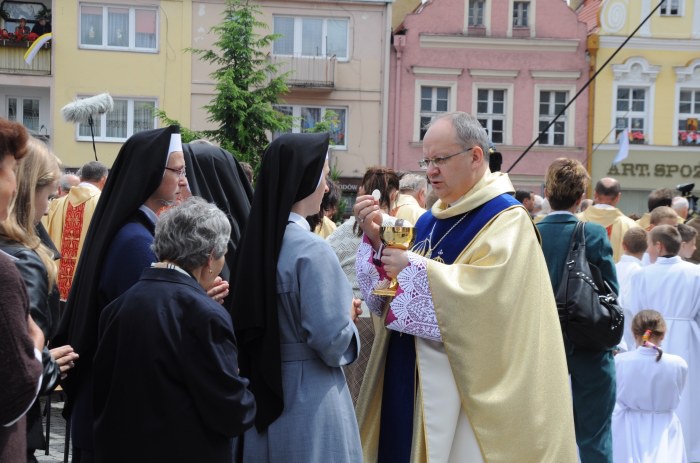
(672, 287)
(649, 386)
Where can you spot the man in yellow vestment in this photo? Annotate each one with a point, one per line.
(605, 212)
(468, 363)
(411, 201)
(69, 218)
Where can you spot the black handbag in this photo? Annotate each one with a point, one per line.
(588, 311)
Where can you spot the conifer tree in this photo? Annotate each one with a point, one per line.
(247, 84)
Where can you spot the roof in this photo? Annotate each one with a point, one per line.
(589, 13)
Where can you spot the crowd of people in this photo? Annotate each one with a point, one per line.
(191, 317)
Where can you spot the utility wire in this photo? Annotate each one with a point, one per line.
(563, 110)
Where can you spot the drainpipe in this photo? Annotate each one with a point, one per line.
(385, 83)
(592, 44)
(399, 45)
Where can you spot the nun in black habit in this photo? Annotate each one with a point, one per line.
(293, 315)
(149, 170)
(215, 175)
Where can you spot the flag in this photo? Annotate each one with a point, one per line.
(36, 46)
(624, 150)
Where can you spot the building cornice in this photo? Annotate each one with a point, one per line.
(509, 74)
(649, 43)
(430, 71)
(561, 75)
(490, 43)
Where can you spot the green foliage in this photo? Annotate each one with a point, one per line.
(247, 85)
(186, 134)
(329, 124)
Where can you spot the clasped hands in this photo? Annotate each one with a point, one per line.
(369, 218)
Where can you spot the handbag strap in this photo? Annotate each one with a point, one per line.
(577, 237)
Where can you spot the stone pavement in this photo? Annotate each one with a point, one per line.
(56, 433)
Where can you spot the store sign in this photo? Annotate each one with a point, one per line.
(627, 169)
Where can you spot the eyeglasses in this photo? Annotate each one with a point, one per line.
(180, 172)
(439, 161)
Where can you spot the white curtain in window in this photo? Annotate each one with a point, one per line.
(117, 119)
(91, 25)
(118, 27)
(145, 28)
(284, 26)
(84, 129)
(337, 42)
(143, 116)
(312, 37)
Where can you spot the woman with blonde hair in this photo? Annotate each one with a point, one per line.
(37, 179)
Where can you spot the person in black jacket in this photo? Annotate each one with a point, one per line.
(166, 381)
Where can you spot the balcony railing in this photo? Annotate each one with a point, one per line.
(314, 72)
(12, 59)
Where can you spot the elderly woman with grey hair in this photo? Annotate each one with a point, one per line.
(166, 382)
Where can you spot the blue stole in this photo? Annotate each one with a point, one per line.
(398, 394)
(431, 231)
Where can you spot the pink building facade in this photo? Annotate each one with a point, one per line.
(513, 64)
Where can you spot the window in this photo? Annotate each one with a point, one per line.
(129, 116)
(433, 101)
(551, 103)
(476, 12)
(491, 112)
(521, 13)
(671, 8)
(308, 36)
(24, 111)
(688, 117)
(306, 118)
(123, 28)
(630, 113)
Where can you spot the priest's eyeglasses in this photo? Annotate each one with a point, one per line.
(440, 160)
(181, 173)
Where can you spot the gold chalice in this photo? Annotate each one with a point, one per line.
(399, 236)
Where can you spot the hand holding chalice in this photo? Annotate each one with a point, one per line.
(400, 235)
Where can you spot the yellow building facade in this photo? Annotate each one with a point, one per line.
(651, 88)
(135, 51)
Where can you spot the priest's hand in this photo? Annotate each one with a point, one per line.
(369, 217)
(218, 290)
(394, 260)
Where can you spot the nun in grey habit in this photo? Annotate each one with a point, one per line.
(293, 313)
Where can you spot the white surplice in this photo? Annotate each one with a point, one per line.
(672, 287)
(625, 268)
(644, 425)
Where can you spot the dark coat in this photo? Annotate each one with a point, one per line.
(166, 383)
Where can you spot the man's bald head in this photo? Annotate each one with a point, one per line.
(607, 191)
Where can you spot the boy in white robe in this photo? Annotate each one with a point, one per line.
(634, 244)
(649, 386)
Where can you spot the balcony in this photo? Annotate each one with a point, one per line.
(12, 58)
(307, 72)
